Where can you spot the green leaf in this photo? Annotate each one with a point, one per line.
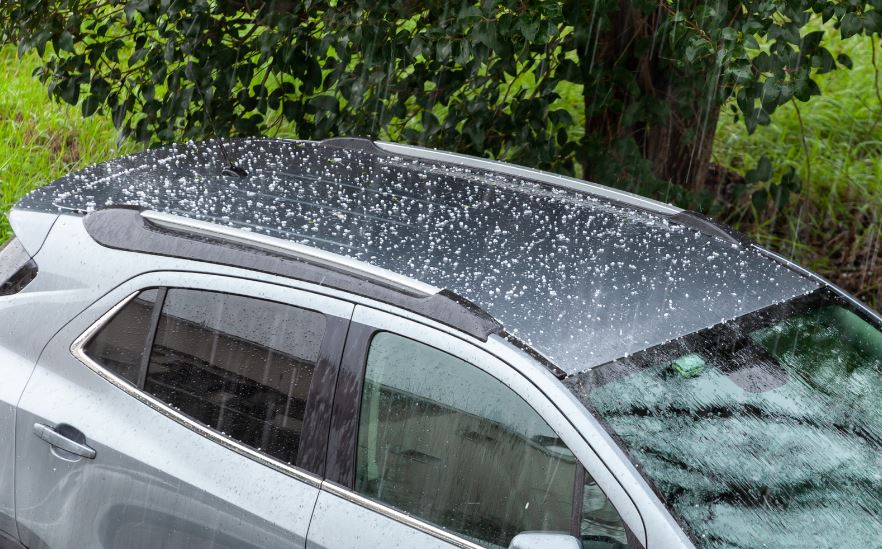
(64, 42)
(844, 60)
(442, 50)
(68, 89)
(325, 103)
(430, 121)
(823, 61)
(90, 105)
(805, 89)
(38, 42)
(118, 115)
(468, 12)
(741, 74)
(760, 199)
(528, 28)
(561, 117)
(137, 56)
(873, 21)
(148, 92)
(791, 181)
(99, 88)
(811, 40)
(850, 25)
(770, 95)
(762, 171)
(764, 62)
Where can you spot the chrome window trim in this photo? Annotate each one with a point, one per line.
(285, 247)
(78, 351)
(571, 183)
(398, 516)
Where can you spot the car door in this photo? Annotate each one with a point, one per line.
(436, 443)
(181, 410)
(19, 345)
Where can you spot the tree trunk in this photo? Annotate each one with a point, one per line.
(677, 144)
(680, 148)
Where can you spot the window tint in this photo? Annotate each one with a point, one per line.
(446, 442)
(238, 365)
(120, 344)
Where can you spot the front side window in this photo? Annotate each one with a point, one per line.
(763, 431)
(448, 443)
(238, 365)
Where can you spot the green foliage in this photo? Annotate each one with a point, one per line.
(478, 77)
(834, 223)
(41, 140)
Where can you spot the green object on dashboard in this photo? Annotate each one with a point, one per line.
(689, 365)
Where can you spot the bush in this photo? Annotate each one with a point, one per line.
(478, 77)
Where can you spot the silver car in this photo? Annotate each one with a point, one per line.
(353, 344)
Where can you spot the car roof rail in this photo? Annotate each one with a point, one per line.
(712, 227)
(286, 247)
(150, 232)
(688, 218)
(595, 190)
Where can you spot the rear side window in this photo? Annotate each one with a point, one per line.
(120, 346)
(238, 365)
(448, 443)
(17, 269)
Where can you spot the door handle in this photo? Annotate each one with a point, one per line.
(59, 437)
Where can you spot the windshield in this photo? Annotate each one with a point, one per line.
(763, 431)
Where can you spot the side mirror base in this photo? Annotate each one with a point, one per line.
(544, 540)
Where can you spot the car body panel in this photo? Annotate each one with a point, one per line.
(153, 477)
(15, 369)
(31, 227)
(339, 523)
(28, 320)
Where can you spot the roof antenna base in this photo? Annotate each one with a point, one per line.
(231, 170)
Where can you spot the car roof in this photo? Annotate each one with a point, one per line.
(584, 274)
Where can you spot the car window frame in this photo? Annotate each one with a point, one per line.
(309, 466)
(342, 442)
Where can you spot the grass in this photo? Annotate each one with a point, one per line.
(41, 140)
(835, 226)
